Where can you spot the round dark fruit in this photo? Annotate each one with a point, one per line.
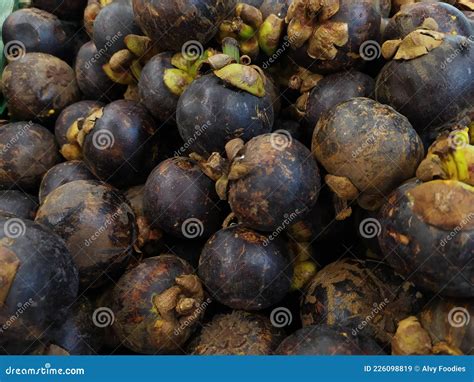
(19, 204)
(427, 235)
(97, 224)
(171, 24)
(80, 333)
(34, 30)
(28, 150)
(158, 305)
(72, 113)
(324, 340)
(38, 86)
(238, 333)
(63, 173)
(210, 113)
(181, 200)
(273, 179)
(38, 282)
(367, 148)
(443, 95)
(118, 143)
(149, 238)
(64, 9)
(278, 8)
(366, 298)
(113, 23)
(444, 17)
(91, 78)
(244, 269)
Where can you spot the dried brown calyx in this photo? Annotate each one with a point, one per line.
(9, 264)
(309, 22)
(415, 44)
(411, 338)
(179, 306)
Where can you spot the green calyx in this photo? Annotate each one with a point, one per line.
(177, 80)
(247, 78)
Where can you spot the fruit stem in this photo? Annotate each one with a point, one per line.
(230, 46)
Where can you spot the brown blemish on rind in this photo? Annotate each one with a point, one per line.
(9, 264)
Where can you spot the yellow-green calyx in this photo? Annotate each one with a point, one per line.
(253, 33)
(247, 78)
(451, 156)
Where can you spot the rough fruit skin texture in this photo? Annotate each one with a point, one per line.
(347, 292)
(442, 95)
(428, 235)
(241, 272)
(210, 114)
(38, 87)
(177, 193)
(371, 144)
(148, 320)
(27, 151)
(97, 224)
(238, 333)
(61, 174)
(45, 282)
(20, 204)
(172, 23)
(323, 340)
(279, 182)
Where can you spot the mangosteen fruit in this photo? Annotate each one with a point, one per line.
(238, 333)
(38, 86)
(19, 204)
(63, 173)
(427, 235)
(39, 283)
(64, 9)
(28, 150)
(97, 224)
(272, 179)
(181, 200)
(367, 148)
(157, 305)
(244, 269)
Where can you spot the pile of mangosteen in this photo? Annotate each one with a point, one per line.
(237, 177)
